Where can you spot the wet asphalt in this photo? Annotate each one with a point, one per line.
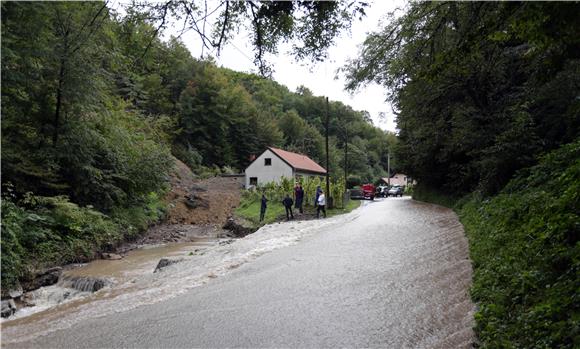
(393, 274)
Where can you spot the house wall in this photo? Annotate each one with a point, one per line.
(266, 174)
(399, 179)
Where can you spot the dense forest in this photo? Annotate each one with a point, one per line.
(487, 96)
(94, 107)
(481, 89)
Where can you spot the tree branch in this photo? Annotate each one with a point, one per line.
(224, 26)
(258, 42)
(163, 19)
(90, 24)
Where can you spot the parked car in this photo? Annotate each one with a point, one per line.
(368, 191)
(382, 191)
(396, 191)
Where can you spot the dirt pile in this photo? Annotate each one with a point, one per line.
(193, 201)
(196, 209)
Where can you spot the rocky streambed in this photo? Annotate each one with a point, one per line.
(160, 247)
(131, 281)
(62, 285)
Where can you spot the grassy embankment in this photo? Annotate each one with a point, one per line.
(249, 209)
(524, 245)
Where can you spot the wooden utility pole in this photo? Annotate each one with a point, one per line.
(345, 157)
(389, 168)
(327, 161)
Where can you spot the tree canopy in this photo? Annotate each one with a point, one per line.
(480, 88)
(84, 91)
(311, 26)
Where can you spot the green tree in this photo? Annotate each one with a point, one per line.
(312, 25)
(466, 80)
(301, 137)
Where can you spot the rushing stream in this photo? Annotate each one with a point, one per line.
(131, 281)
(79, 282)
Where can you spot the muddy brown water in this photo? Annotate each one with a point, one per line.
(139, 261)
(52, 301)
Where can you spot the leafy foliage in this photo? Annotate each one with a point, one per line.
(481, 89)
(249, 208)
(526, 256)
(311, 25)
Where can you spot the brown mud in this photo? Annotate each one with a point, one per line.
(197, 209)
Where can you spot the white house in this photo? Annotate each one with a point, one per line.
(399, 179)
(273, 164)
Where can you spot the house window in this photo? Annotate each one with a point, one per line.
(254, 181)
(267, 162)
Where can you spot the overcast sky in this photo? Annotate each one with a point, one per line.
(320, 79)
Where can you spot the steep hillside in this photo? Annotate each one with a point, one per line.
(525, 247)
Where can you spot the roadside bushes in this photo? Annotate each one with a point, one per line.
(525, 248)
(45, 231)
(277, 191)
(39, 232)
(425, 193)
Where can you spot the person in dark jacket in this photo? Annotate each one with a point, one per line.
(318, 191)
(263, 207)
(288, 202)
(299, 195)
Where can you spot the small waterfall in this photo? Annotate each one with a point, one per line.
(82, 283)
(66, 289)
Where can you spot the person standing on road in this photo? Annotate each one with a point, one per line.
(318, 191)
(321, 204)
(263, 207)
(299, 196)
(287, 202)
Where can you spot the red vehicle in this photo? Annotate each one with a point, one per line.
(368, 191)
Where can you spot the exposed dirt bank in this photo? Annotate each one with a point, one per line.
(197, 208)
(194, 201)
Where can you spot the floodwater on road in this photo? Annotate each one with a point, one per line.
(393, 273)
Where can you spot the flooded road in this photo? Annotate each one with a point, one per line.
(394, 273)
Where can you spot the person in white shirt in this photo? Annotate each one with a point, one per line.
(321, 205)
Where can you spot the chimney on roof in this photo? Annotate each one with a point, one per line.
(252, 157)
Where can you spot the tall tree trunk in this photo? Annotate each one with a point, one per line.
(56, 121)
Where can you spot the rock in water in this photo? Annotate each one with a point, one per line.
(16, 292)
(44, 278)
(111, 256)
(8, 307)
(239, 227)
(84, 284)
(164, 262)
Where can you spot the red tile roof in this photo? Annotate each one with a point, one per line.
(298, 161)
